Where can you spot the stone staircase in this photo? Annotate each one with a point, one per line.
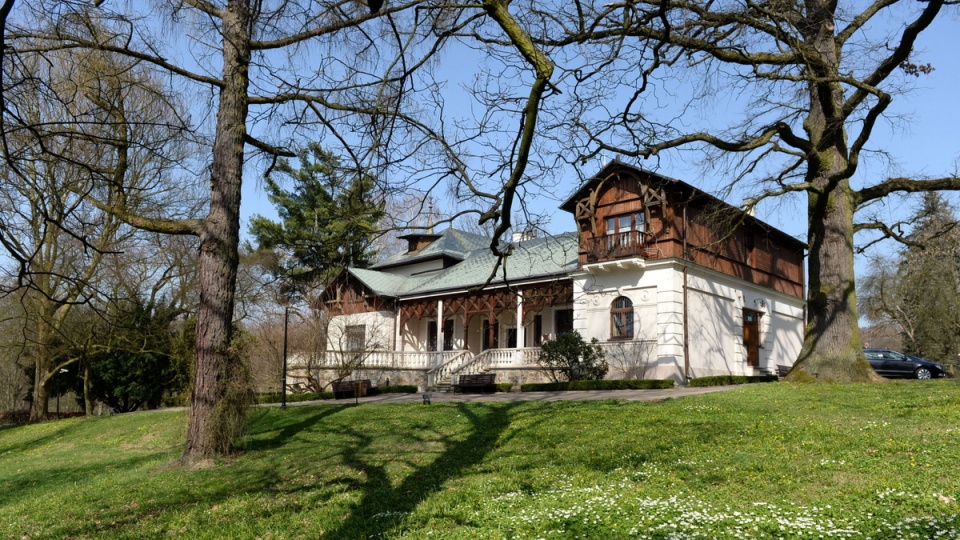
(442, 387)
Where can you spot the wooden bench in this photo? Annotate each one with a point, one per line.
(481, 382)
(348, 389)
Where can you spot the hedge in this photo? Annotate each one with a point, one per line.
(724, 380)
(314, 396)
(306, 396)
(632, 384)
(392, 389)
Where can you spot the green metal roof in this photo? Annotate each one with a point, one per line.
(552, 256)
(453, 244)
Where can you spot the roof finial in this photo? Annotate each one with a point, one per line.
(430, 218)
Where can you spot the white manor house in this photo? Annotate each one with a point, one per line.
(673, 282)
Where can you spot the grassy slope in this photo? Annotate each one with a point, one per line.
(765, 461)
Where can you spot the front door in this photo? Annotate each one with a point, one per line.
(751, 336)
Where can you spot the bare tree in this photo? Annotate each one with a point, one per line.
(86, 122)
(13, 377)
(367, 88)
(257, 47)
(261, 82)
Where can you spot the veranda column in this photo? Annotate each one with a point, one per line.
(520, 332)
(397, 336)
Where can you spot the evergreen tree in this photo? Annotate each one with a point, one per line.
(136, 364)
(327, 221)
(929, 276)
(918, 290)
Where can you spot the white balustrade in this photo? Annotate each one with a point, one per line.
(449, 362)
(501, 359)
(388, 359)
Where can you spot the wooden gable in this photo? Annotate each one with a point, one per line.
(346, 295)
(680, 221)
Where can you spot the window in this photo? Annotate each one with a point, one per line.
(355, 337)
(431, 335)
(621, 318)
(626, 223)
(625, 230)
(563, 321)
(448, 335)
(537, 330)
(512, 337)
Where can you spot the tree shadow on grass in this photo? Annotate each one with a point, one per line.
(44, 434)
(290, 424)
(29, 483)
(383, 506)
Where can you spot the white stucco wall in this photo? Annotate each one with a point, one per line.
(378, 330)
(781, 324)
(715, 304)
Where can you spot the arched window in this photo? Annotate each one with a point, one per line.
(621, 318)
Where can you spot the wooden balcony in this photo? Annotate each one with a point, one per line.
(622, 246)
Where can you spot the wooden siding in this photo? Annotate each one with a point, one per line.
(718, 236)
(346, 296)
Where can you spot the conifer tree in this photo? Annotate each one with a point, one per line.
(929, 275)
(328, 220)
(917, 290)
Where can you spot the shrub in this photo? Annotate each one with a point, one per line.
(504, 387)
(631, 384)
(392, 389)
(723, 380)
(569, 358)
(12, 418)
(274, 397)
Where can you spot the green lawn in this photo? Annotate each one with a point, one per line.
(760, 461)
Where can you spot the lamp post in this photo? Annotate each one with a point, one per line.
(283, 380)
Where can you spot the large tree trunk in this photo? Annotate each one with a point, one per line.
(832, 350)
(42, 364)
(87, 390)
(219, 240)
(41, 395)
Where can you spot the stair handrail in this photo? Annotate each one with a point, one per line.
(483, 359)
(446, 367)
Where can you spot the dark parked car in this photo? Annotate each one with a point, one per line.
(893, 364)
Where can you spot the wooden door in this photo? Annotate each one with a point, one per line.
(751, 336)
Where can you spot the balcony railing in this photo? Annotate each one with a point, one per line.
(622, 245)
